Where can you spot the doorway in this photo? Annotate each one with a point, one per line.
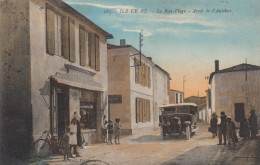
(239, 112)
(63, 110)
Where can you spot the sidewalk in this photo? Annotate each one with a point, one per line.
(92, 151)
(248, 152)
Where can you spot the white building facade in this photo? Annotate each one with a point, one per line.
(136, 88)
(236, 91)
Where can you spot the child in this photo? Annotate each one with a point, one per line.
(117, 130)
(104, 130)
(65, 144)
(110, 131)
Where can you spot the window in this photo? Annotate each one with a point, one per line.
(94, 51)
(177, 99)
(53, 31)
(142, 74)
(180, 98)
(83, 46)
(60, 38)
(72, 40)
(142, 110)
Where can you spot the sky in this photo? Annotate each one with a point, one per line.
(184, 37)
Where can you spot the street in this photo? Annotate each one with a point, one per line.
(148, 148)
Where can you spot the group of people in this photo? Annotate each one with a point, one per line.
(109, 129)
(225, 128)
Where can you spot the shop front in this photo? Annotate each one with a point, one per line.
(66, 99)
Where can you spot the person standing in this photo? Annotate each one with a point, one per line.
(222, 128)
(104, 129)
(110, 131)
(73, 137)
(231, 132)
(65, 144)
(214, 125)
(253, 124)
(117, 130)
(244, 129)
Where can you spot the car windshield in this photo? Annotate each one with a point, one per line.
(170, 109)
(183, 109)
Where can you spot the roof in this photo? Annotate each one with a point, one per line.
(111, 46)
(175, 90)
(236, 68)
(177, 105)
(64, 6)
(163, 71)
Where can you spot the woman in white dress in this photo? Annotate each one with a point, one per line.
(73, 137)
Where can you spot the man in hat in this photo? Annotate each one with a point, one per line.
(253, 124)
(231, 132)
(214, 125)
(222, 128)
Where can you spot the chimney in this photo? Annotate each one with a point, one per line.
(216, 65)
(149, 58)
(122, 42)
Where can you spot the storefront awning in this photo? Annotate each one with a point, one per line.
(77, 82)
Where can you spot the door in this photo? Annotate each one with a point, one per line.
(239, 111)
(63, 112)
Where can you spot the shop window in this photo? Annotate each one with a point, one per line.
(88, 110)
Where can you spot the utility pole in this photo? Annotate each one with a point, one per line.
(183, 81)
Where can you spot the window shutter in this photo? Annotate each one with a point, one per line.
(146, 75)
(72, 41)
(149, 79)
(144, 112)
(50, 32)
(149, 113)
(136, 110)
(97, 53)
(65, 37)
(136, 70)
(82, 47)
(143, 74)
(92, 51)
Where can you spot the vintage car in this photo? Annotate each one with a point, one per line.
(177, 119)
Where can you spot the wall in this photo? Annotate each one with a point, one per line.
(137, 90)
(160, 87)
(119, 84)
(172, 96)
(230, 88)
(44, 65)
(15, 100)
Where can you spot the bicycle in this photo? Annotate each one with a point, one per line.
(43, 146)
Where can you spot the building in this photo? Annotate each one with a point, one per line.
(236, 90)
(53, 63)
(201, 103)
(175, 96)
(161, 84)
(208, 105)
(131, 88)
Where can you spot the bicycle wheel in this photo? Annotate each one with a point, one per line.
(42, 148)
(94, 162)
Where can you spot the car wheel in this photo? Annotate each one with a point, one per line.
(162, 134)
(188, 132)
